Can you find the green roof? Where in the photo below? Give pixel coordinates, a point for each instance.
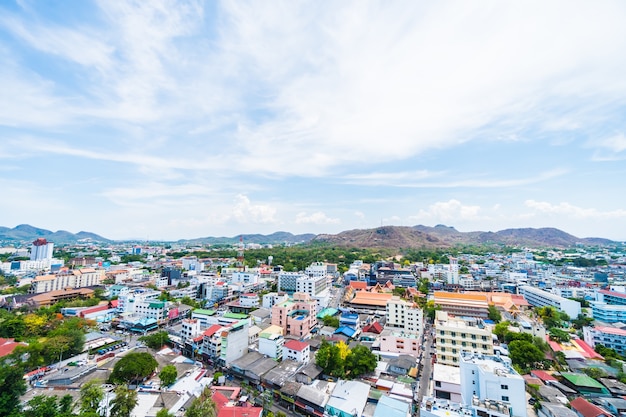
(582, 380)
(205, 312)
(327, 312)
(156, 304)
(238, 316)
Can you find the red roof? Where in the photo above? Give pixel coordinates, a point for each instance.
(296, 345)
(240, 412)
(375, 327)
(586, 409)
(358, 285)
(212, 330)
(543, 375)
(220, 399)
(7, 346)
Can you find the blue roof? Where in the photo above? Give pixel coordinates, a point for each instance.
(348, 331)
(390, 407)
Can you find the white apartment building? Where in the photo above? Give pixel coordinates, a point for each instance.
(271, 344)
(41, 249)
(190, 329)
(447, 382)
(297, 351)
(287, 281)
(404, 315)
(489, 377)
(540, 298)
(137, 301)
(311, 285)
(456, 334)
(245, 278)
(75, 278)
(273, 298)
(249, 300)
(234, 342)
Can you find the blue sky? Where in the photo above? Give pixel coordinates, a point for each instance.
(182, 119)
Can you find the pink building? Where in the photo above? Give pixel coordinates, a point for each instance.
(296, 317)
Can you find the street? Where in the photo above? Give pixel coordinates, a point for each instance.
(426, 367)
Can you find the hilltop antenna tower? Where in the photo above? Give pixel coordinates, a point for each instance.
(240, 257)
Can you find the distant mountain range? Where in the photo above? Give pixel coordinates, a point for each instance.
(25, 232)
(442, 236)
(398, 237)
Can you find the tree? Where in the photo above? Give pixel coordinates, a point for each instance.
(501, 329)
(156, 340)
(133, 367)
(164, 412)
(524, 354)
(329, 359)
(202, 406)
(595, 373)
(168, 375)
(360, 361)
(91, 394)
(12, 386)
(511, 336)
(42, 406)
(559, 335)
(124, 403)
(331, 321)
(581, 321)
(494, 314)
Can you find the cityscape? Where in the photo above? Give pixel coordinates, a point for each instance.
(521, 331)
(358, 208)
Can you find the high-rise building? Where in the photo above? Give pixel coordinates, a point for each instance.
(41, 249)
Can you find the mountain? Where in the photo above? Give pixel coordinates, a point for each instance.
(387, 237)
(274, 238)
(541, 237)
(441, 237)
(28, 233)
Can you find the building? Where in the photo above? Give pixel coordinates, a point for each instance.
(610, 337)
(273, 298)
(234, 342)
(447, 382)
(297, 351)
(41, 250)
(271, 345)
(75, 278)
(297, 317)
(463, 304)
(397, 342)
(190, 329)
(348, 399)
(492, 378)
(212, 342)
(287, 281)
(540, 298)
(404, 315)
(456, 334)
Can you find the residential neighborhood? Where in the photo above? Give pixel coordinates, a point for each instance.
(492, 335)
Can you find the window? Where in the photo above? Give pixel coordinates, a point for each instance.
(504, 387)
(505, 398)
(473, 382)
(438, 384)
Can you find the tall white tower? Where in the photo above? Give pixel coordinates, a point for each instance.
(453, 271)
(41, 249)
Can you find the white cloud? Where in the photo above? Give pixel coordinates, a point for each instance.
(569, 210)
(609, 148)
(315, 218)
(246, 212)
(444, 211)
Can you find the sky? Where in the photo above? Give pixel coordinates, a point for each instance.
(166, 120)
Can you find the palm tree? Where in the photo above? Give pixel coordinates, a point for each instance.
(124, 402)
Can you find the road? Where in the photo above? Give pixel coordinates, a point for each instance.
(426, 367)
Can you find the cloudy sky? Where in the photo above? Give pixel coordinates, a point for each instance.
(181, 119)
